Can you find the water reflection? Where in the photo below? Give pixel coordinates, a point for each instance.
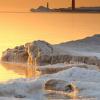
(16, 70)
(9, 72)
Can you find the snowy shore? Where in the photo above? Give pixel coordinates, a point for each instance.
(87, 81)
(69, 69)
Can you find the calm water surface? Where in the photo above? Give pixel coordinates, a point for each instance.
(8, 73)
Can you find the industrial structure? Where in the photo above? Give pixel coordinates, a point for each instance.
(73, 4)
(48, 5)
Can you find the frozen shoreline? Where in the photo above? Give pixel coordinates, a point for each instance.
(87, 81)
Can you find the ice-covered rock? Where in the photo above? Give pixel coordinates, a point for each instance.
(22, 53)
(48, 54)
(78, 74)
(22, 88)
(50, 69)
(39, 50)
(54, 84)
(18, 54)
(90, 44)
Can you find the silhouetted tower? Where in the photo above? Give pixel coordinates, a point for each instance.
(48, 5)
(73, 4)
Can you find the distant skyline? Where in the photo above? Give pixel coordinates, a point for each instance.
(25, 5)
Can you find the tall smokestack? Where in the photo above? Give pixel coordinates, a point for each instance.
(48, 5)
(73, 4)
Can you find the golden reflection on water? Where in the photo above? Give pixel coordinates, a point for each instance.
(6, 74)
(10, 71)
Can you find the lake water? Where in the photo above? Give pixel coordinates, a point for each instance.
(8, 73)
(19, 28)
